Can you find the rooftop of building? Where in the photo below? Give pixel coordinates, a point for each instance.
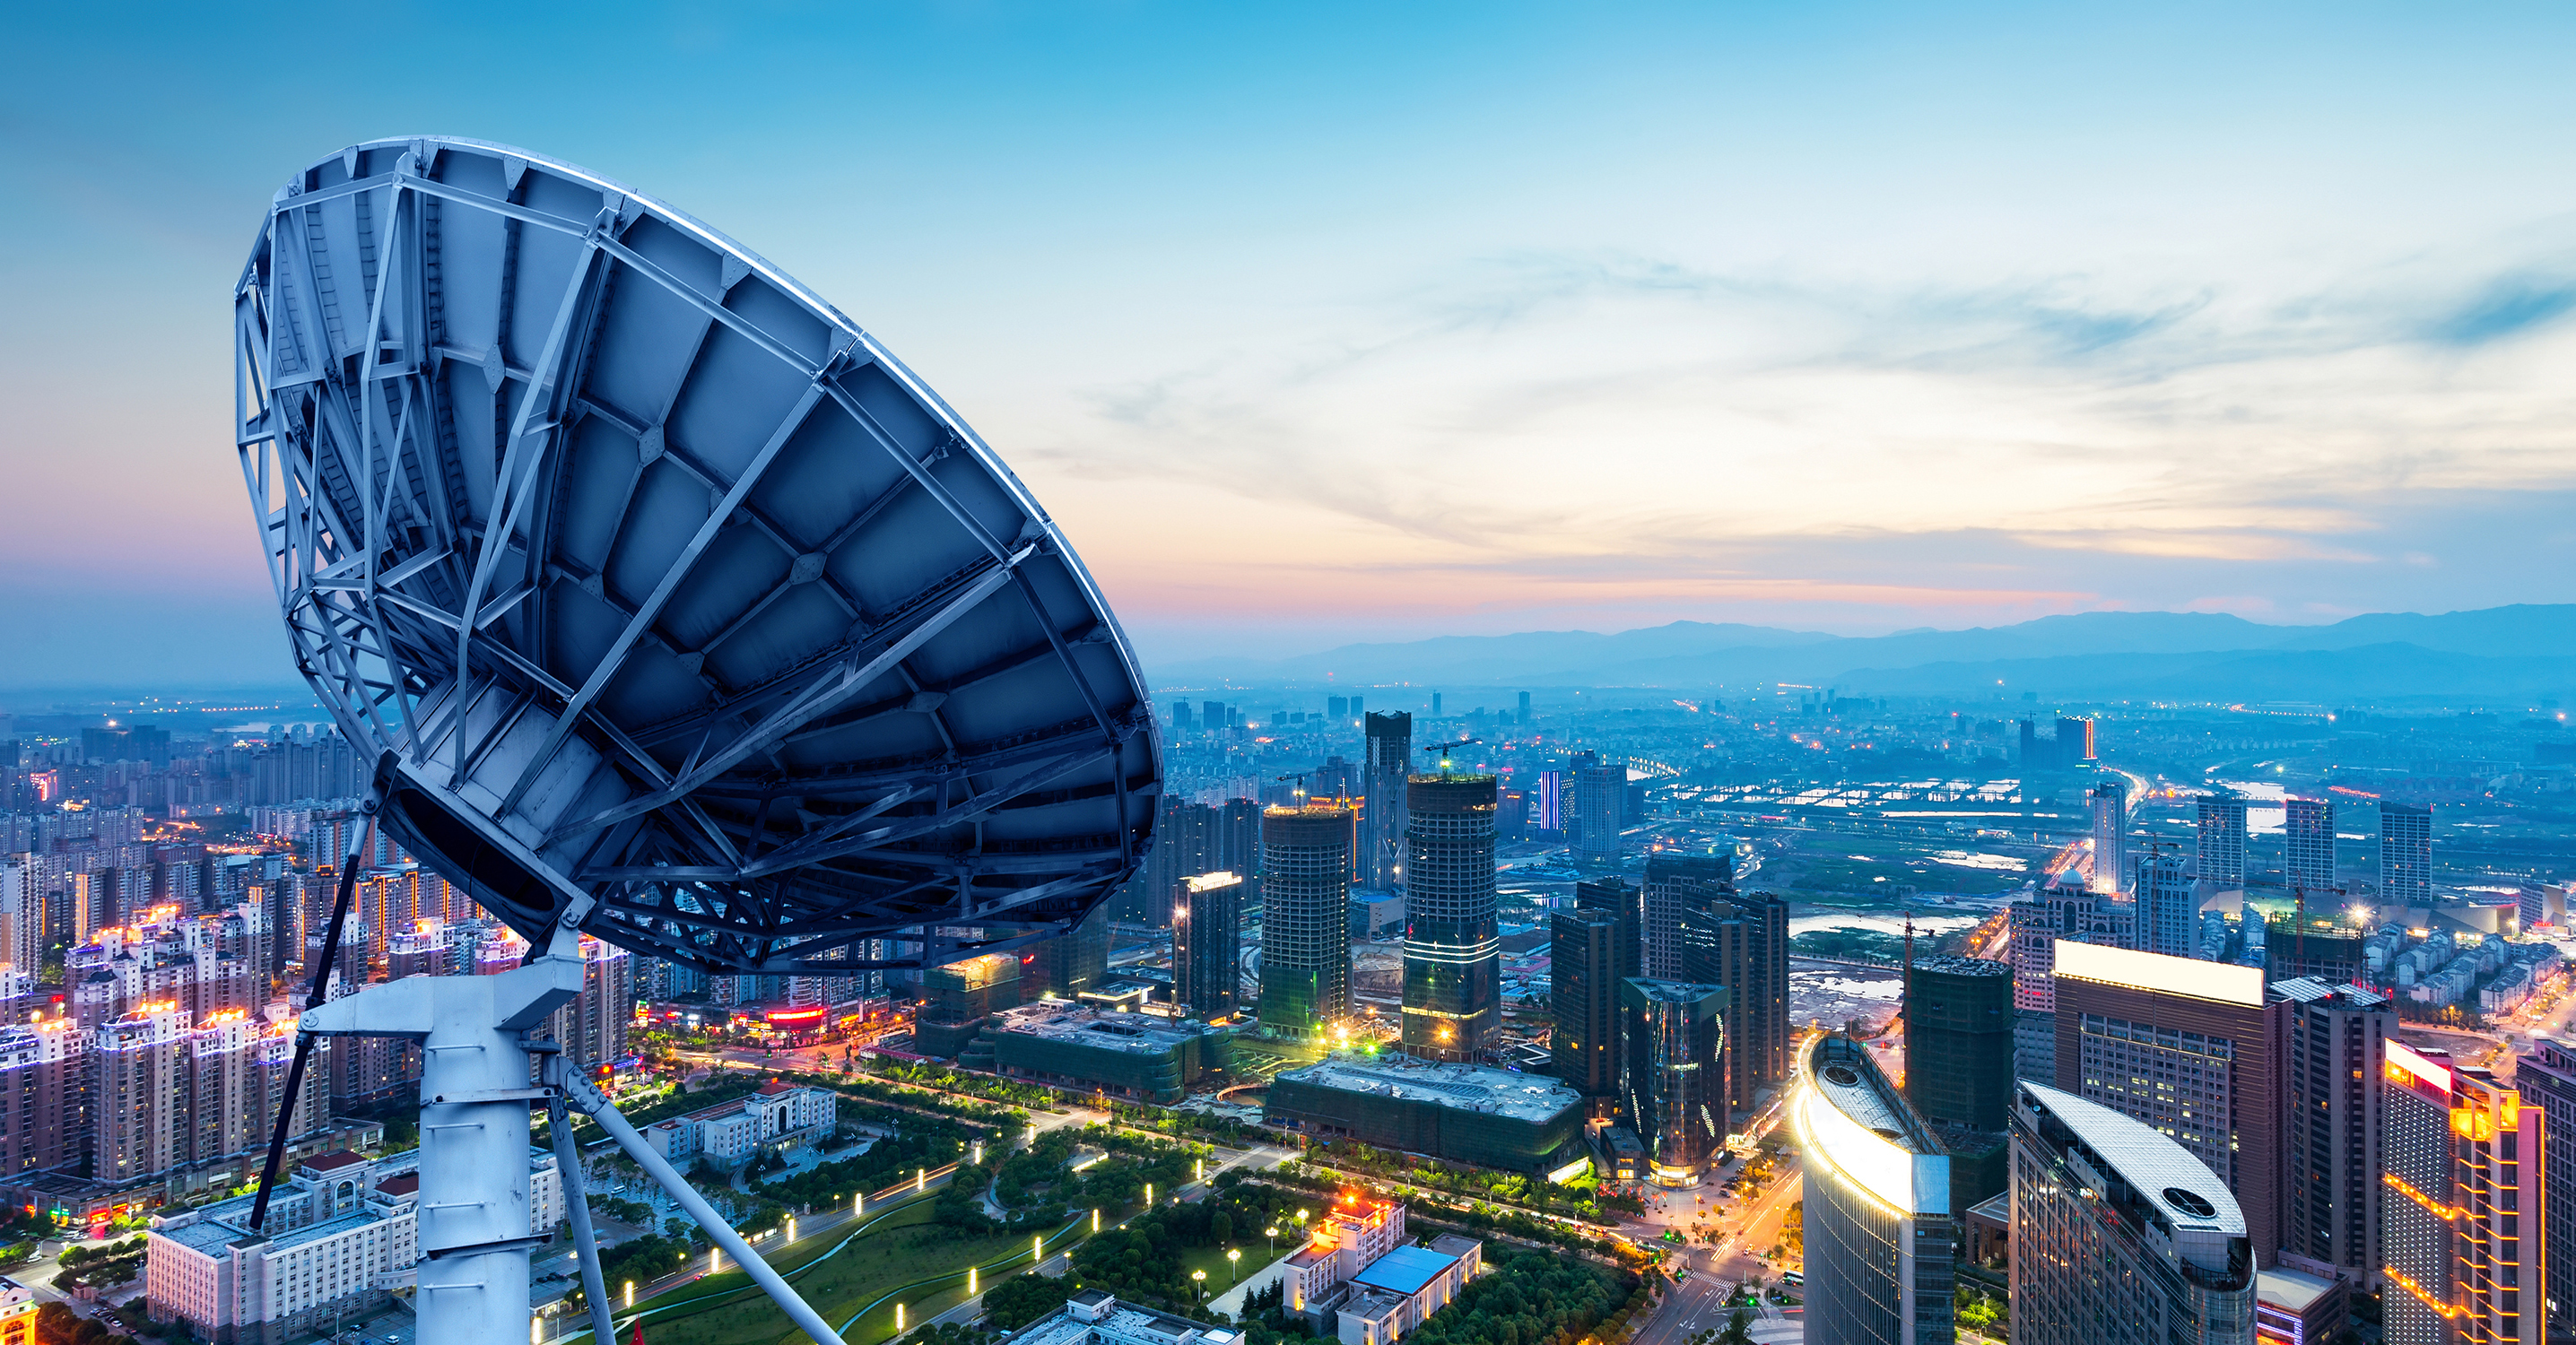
(1853, 1086)
(2160, 1170)
(1673, 992)
(2314, 990)
(1964, 966)
(1117, 1324)
(1406, 1269)
(332, 1161)
(2294, 1290)
(1524, 1097)
(1075, 1024)
(2160, 974)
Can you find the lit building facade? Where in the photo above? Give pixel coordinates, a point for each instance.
(1305, 918)
(1452, 952)
(2168, 908)
(1675, 1075)
(1881, 1265)
(1386, 772)
(1584, 961)
(2333, 1050)
(1207, 945)
(2546, 1078)
(2405, 855)
(2308, 845)
(2219, 835)
(2463, 1222)
(2119, 1236)
(1600, 796)
(2187, 1048)
(2110, 803)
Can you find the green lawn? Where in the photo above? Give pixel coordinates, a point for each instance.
(1212, 1260)
(904, 1259)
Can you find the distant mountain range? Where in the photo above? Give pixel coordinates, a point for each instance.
(2526, 650)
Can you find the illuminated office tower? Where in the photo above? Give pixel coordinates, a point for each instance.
(2405, 855)
(2463, 1224)
(1881, 1267)
(2110, 803)
(1207, 945)
(2187, 1048)
(1385, 769)
(2119, 1236)
(1305, 918)
(1585, 960)
(1600, 796)
(2334, 1046)
(2220, 852)
(1675, 1075)
(2168, 910)
(2546, 1078)
(2308, 845)
(1453, 956)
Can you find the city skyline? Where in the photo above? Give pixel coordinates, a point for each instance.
(1418, 325)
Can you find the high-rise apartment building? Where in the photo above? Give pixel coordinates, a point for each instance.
(1207, 945)
(2119, 1235)
(2308, 845)
(2220, 839)
(1675, 1075)
(594, 1028)
(1959, 1040)
(2405, 855)
(2546, 1079)
(2332, 1050)
(2109, 800)
(1674, 880)
(1739, 941)
(1305, 918)
(2168, 908)
(1881, 1260)
(42, 1067)
(1600, 800)
(1623, 902)
(2463, 1223)
(1452, 950)
(139, 1092)
(1387, 768)
(22, 914)
(2185, 1047)
(1585, 962)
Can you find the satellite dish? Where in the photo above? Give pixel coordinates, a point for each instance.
(650, 579)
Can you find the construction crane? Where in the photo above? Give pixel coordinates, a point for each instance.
(1300, 778)
(1444, 749)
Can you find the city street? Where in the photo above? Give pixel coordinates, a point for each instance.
(1743, 1229)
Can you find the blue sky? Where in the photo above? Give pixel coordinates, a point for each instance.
(1331, 323)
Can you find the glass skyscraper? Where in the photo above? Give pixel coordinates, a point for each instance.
(1676, 1075)
(1881, 1263)
(1453, 957)
(2119, 1236)
(1207, 944)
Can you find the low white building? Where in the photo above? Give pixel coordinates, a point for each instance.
(1400, 1290)
(780, 1113)
(341, 1237)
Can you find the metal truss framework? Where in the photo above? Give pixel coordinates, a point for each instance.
(650, 577)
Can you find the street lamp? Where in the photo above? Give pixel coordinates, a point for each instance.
(1201, 1277)
(1233, 1264)
(1272, 1233)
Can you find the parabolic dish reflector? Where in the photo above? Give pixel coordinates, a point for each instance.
(647, 576)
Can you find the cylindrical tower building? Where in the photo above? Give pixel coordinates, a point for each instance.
(1306, 917)
(1452, 954)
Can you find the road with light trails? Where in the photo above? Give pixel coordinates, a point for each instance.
(1698, 1303)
